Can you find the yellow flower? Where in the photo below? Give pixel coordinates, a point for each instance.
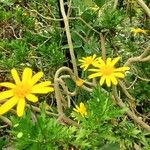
(79, 82)
(81, 109)
(95, 8)
(23, 89)
(47, 107)
(87, 61)
(135, 31)
(108, 72)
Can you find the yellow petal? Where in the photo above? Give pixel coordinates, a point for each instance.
(108, 61)
(20, 107)
(75, 109)
(81, 60)
(8, 105)
(122, 69)
(102, 80)
(94, 56)
(84, 67)
(15, 76)
(114, 80)
(27, 74)
(79, 82)
(101, 61)
(32, 98)
(6, 94)
(119, 75)
(94, 75)
(108, 82)
(8, 84)
(43, 90)
(42, 84)
(94, 70)
(82, 105)
(115, 60)
(36, 77)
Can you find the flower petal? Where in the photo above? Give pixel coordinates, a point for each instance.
(115, 60)
(36, 77)
(95, 75)
(94, 70)
(15, 76)
(84, 67)
(81, 60)
(118, 74)
(20, 107)
(108, 61)
(101, 61)
(108, 81)
(7, 84)
(27, 74)
(43, 90)
(114, 80)
(32, 98)
(94, 56)
(102, 80)
(6, 94)
(42, 84)
(122, 69)
(82, 105)
(97, 64)
(75, 109)
(8, 105)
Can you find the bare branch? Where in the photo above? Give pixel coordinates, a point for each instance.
(70, 44)
(135, 118)
(144, 6)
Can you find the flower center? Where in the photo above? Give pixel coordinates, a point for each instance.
(107, 70)
(82, 111)
(22, 90)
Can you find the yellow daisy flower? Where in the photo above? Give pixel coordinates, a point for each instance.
(108, 72)
(23, 89)
(79, 82)
(81, 109)
(87, 61)
(135, 31)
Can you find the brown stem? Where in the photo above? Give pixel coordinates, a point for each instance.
(70, 44)
(102, 41)
(65, 120)
(115, 4)
(128, 111)
(144, 6)
(124, 89)
(145, 56)
(58, 94)
(6, 120)
(36, 109)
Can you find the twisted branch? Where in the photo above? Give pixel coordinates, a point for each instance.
(128, 111)
(145, 56)
(144, 6)
(68, 34)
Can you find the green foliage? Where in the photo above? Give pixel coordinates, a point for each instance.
(52, 55)
(31, 35)
(100, 3)
(30, 41)
(105, 126)
(2, 142)
(15, 52)
(110, 19)
(45, 133)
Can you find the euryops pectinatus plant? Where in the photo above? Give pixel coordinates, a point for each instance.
(74, 75)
